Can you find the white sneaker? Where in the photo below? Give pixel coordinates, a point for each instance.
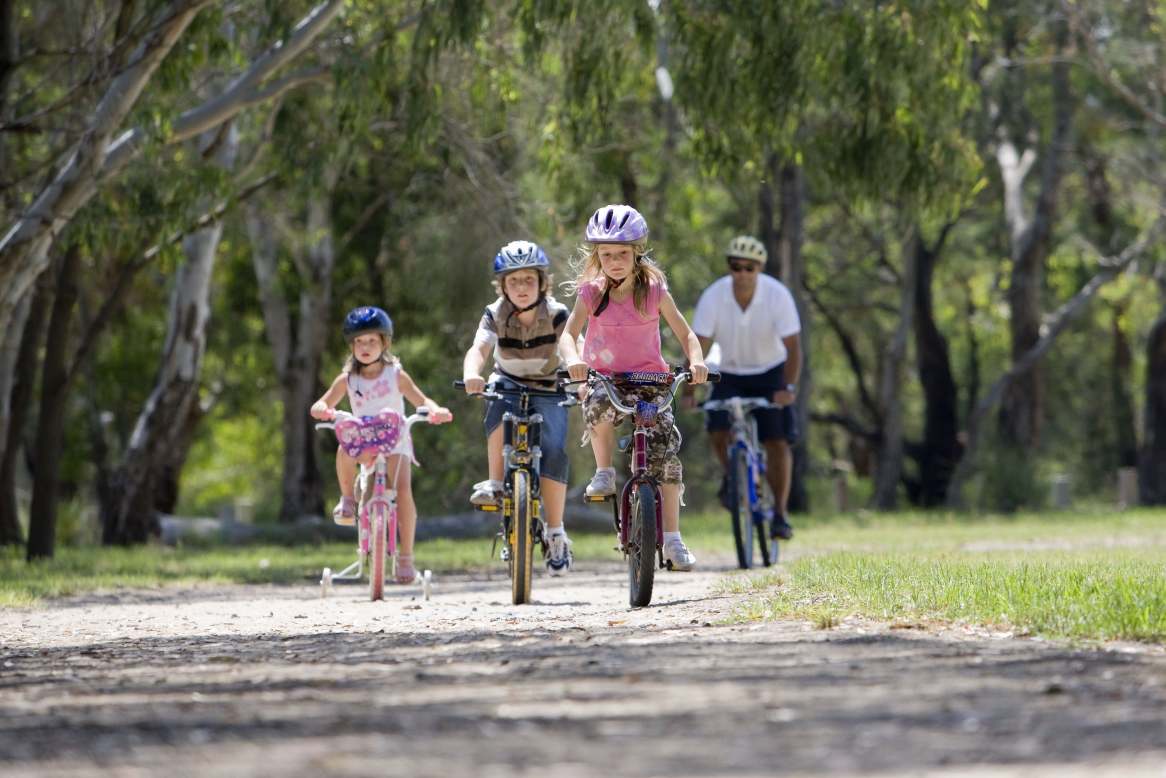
(559, 557)
(677, 556)
(602, 483)
(486, 493)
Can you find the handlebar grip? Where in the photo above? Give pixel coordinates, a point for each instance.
(714, 377)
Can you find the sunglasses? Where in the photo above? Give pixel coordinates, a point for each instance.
(743, 267)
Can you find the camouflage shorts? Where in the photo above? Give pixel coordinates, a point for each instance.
(663, 438)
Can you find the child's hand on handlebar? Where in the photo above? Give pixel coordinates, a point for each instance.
(321, 411)
(577, 371)
(699, 372)
(439, 414)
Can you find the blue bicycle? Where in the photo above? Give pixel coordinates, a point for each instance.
(750, 498)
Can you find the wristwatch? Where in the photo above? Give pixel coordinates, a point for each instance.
(791, 388)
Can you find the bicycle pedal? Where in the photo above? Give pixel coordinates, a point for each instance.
(505, 555)
(487, 508)
(598, 497)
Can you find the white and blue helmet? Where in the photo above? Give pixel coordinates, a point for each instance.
(520, 255)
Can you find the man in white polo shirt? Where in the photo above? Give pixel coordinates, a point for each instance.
(753, 318)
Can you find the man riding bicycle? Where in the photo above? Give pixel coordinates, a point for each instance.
(753, 320)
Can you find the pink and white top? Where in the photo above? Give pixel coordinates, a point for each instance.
(620, 340)
(370, 396)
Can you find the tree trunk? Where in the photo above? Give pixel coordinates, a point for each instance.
(1021, 409)
(1152, 467)
(296, 353)
(1122, 415)
(22, 375)
(940, 450)
(792, 239)
(889, 469)
(42, 522)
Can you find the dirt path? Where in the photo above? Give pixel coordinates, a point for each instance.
(261, 681)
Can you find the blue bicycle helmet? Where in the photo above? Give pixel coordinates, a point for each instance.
(520, 255)
(367, 318)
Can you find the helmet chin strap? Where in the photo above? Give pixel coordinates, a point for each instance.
(518, 310)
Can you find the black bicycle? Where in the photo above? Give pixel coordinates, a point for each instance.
(521, 507)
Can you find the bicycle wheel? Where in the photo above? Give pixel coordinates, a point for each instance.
(740, 512)
(521, 558)
(377, 552)
(641, 545)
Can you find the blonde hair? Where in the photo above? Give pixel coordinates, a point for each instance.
(351, 365)
(646, 272)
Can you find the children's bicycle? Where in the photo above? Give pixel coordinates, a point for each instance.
(750, 498)
(637, 513)
(377, 511)
(522, 527)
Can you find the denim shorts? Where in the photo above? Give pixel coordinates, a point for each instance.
(772, 423)
(553, 464)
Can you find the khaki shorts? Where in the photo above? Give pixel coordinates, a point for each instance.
(663, 438)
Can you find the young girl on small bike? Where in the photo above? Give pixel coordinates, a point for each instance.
(522, 329)
(374, 381)
(621, 296)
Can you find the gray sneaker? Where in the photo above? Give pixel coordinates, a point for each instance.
(602, 483)
(678, 557)
(486, 493)
(559, 557)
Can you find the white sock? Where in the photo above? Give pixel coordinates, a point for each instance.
(671, 536)
(605, 470)
(559, 530)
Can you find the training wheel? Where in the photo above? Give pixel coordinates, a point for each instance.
(326, 582)
(426, 584)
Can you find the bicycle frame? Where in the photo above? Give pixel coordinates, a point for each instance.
(643, 417)
(383, 497)
(745, 440)
(521, 454)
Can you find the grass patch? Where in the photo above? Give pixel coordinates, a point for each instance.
(1088, 577)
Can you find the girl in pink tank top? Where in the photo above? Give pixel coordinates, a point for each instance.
(621, 297)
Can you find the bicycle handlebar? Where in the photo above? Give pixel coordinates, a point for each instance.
(746, 404)
(681, 374)
(418, 414)
(495, 392)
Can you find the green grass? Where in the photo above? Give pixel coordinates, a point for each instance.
(89, 569)
(1099, 576)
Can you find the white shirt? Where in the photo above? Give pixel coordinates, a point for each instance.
(750, 340)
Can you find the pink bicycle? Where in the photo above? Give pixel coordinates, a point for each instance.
(377, 512)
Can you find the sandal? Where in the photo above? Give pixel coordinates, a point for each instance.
(405, 573)
(344, 513)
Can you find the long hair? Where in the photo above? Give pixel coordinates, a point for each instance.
(645, 272)
(351, 365)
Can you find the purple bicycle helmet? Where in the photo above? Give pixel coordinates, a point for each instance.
(367, 318)
(520, 255)
(616, 223)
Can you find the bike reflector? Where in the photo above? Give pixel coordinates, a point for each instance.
(646, 412)
(379, 434)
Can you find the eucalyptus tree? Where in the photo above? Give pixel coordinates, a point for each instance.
(133, 43)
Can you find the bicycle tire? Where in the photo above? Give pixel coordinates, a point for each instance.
(641, 545)
(377, 552)
(521, 558)
(768, 553)
(740, 512)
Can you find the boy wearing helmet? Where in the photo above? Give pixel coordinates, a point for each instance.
(522, 328)
(374, 381)
(753, 319)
